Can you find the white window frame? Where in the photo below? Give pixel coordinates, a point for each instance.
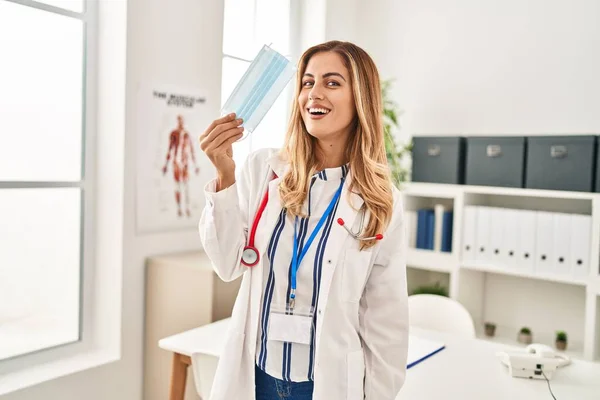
(246, 146)
(102, 207)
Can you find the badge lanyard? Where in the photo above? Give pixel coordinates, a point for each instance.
(297, 259)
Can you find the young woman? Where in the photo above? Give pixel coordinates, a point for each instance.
(316, 230)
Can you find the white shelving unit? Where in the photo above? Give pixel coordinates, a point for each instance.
(508, 296)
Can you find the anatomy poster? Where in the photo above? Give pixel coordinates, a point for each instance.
(171, 168)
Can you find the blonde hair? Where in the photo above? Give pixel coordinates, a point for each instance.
(365, 150)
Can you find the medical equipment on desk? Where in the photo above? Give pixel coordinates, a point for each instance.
(538, 361)
(259, 87)
(250, 256)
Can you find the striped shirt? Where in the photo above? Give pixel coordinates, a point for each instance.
(293, 361)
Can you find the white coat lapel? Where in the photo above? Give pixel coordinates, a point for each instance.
(348, 207)
(264, 229)
(273, 209)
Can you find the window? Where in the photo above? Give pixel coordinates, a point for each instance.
(46, 185)
(248, 25)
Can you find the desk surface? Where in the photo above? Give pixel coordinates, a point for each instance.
(469, 369)
(466, 369)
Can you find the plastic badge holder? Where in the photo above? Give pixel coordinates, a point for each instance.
(259, 88)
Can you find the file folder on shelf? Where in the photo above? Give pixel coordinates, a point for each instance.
(422, 228)
(439, 225)
(510, 244)
(544, 228)
(580, 242)
(411, 230)
(526, 243)
(448, 222)
(469, 233)
(561, 262)
(482, 234)
(497, 229)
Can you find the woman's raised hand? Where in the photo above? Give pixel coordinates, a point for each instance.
(216, 142)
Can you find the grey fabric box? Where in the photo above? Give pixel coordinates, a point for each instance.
(496, 161)
(438, 159)
(597, 186)
(561, 163)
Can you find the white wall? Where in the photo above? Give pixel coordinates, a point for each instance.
(485, 67)
(176, 43)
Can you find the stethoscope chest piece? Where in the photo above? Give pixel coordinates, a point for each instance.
(250, 256)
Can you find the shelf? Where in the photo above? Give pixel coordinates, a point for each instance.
(544, 300)
(475, 266)
(594, 286)
(431, 260)
(572, 351)
(450, 191)
(431, 190)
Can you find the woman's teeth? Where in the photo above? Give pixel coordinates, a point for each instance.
(318, 111)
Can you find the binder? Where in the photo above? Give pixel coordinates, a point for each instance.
(430, 229)
(438, 226)
(526, 239)
(469, 228)
(448, 222)
(497, 230)
(482, 234)
(544, 241)
(561, 262)
(421, 228)
(512, 224)
(580, 242)
(411, 228)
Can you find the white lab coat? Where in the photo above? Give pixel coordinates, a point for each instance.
(362, 329)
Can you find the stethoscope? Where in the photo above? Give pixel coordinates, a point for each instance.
(250, 256)
(340, 221)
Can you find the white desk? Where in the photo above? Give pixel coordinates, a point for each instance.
(467, 369)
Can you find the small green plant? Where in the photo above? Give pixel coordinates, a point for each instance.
(525, 336)
(561, 340)
(436, 289)
(396, 154)
(561, 336)
(525, 331)
(490, 329)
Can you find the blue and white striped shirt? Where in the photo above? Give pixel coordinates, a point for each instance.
(293, 361)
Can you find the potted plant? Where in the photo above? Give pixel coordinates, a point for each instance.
(490, 329)
(561, 340)
(525, 335)
(436, 289)
(395, 154)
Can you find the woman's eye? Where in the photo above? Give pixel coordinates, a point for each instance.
(333, 83)
(307, 83)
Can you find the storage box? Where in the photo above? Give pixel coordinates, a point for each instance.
(561, 163)
(496, 161)
(438, 159)
(597, 185)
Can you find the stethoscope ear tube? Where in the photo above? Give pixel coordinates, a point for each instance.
(379, 236)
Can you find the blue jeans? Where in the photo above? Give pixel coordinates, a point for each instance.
(269, 388)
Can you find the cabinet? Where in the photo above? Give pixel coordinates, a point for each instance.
(498, 288)
(182, 292)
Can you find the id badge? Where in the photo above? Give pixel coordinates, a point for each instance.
(293, 328)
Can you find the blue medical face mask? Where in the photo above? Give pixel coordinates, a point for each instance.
(258, 89)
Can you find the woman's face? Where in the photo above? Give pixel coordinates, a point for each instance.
(326, 98)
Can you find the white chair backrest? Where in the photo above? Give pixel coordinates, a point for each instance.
(440, 313)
